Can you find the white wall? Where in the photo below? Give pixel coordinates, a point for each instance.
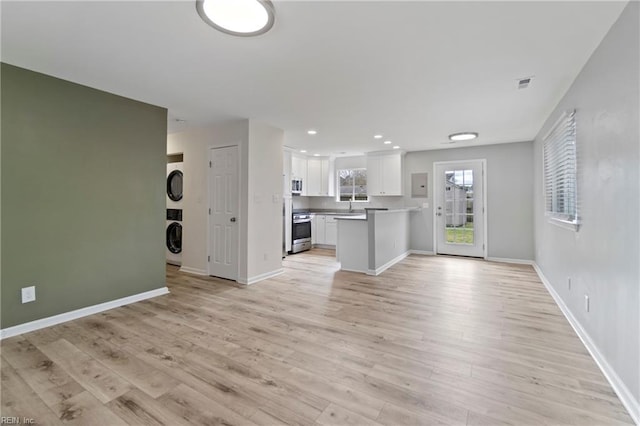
(260, 195)
(195, 145)
(388, 236)
(264, 232)
(509, 196)
(602, 258)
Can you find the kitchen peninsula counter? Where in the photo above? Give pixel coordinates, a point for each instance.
(373, 242)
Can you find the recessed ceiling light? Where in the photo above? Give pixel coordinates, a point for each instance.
(463, 136)
(303, 150)
(316, 155)
(387, 142)
(312, 132)
(377, 136)
(396, 147)
(237, 17)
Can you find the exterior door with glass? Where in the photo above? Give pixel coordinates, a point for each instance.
(459, 208)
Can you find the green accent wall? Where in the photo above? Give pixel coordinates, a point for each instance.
(83, 195)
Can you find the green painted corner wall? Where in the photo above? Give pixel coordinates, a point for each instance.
(83, 197)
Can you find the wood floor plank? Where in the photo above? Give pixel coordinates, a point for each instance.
(20, 401)
(197, 409)
(138, 408)
(150, 380)
(85, 409)
(47, 379)
(434, 340)
(91, 374)
(392, 415)
(336, 415)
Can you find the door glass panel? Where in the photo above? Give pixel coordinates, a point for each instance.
(458, 203)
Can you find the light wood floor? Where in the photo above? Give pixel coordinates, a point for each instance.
(433, 340)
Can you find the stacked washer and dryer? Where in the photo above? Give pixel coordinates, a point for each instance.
(174, 213)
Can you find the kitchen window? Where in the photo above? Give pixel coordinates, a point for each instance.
(560, 172)
(352, 185)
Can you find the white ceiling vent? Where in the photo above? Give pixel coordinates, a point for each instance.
(523, 83)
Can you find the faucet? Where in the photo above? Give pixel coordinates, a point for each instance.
(350, 208)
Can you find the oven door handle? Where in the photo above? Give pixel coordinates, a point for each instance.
(302, 221)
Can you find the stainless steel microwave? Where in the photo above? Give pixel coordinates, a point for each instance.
(296, 186)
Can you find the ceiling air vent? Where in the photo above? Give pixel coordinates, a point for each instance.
(523, 83)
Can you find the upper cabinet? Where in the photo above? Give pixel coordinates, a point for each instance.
(320, 181)
(316, 174)
(286, 172)
(298, 167)
(384, 174)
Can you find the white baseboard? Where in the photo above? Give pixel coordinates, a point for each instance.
(623, 392)
(508, 260)
(388, 265)
(422, 252)
(79, 313)
(353, 270)
(261, 277)
(194, 271)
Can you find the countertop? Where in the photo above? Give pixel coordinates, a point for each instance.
(352, 217)
(331, 212)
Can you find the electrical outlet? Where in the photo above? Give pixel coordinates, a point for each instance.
(569, 283)
(28, 294)
(586, 302)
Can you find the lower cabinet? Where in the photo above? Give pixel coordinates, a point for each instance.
(331, 231)
(324, 230)
(314, 229)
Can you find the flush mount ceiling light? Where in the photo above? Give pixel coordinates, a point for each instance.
(243, 18)
(377, 136)
(387, 142)
(303, 150)
(463, 136)
(312, 132)
(396, 147)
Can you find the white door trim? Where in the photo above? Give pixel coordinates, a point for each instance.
(484, 201)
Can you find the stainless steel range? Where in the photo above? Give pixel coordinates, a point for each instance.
(301, 232)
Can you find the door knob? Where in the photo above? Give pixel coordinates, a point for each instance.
(233, 219)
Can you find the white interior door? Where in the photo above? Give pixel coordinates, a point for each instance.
(223, 213)
(459, 208)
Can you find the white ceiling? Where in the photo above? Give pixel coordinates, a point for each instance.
(413, 71)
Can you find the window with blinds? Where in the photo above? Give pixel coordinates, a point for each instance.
(560, 171)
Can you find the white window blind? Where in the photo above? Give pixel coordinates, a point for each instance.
(560, 171)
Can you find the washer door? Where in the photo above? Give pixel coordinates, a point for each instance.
(174, 185)
(174, 237)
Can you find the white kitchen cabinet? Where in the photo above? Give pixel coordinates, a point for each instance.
(325, 231)
(320, 177)
(299, 170)
(314, 229)
(384, 174)
(320, 229)
(330, 231)
(286, 172)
